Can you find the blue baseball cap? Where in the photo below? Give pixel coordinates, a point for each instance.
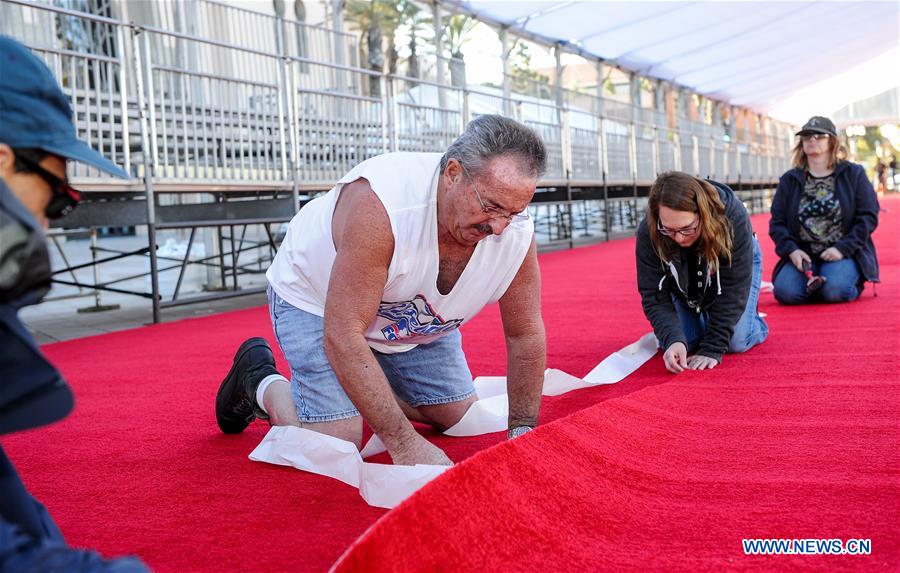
(35, 113)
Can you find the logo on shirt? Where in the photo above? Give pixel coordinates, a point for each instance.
(413, 318)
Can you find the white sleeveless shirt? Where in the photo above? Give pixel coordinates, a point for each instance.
(412, 311)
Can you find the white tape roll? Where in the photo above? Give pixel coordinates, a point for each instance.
(385, 485)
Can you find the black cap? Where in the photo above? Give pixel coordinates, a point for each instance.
(818, 124)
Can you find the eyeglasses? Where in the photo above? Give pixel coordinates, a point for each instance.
(65, 197)
(688, 231)
(493, 211)
(814, 136)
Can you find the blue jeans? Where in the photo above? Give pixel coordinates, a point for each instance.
(842, 283)
(429, 374)
(750, 329)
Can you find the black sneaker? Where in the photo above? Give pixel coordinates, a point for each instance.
(236, 403)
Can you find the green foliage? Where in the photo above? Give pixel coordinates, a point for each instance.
(456, 33)
(379, 21)
(609, 86)
(367, 14)
(523, 79)
(870, 146)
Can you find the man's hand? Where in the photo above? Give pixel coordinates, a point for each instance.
(797, 257)
(526, 342)
(699, 362)
(831, 255)
(675, 358)
(419, 451)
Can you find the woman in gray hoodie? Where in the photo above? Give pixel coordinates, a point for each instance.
(699, 270)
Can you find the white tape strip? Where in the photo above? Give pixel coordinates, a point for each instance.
(381, 485)
(491, 411)
(384, 485)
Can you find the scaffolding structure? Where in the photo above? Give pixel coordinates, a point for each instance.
(226, 135)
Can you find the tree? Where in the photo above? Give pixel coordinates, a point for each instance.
(457, 31)
(523, 78)
(375, 19)
(417, 24)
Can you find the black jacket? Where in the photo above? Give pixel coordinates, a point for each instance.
(859, 210)
(724, 297)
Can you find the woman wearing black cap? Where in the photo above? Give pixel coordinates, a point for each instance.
(823, 215)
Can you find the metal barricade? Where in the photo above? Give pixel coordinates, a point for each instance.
(719, 161)
(217, 117)
(668, 149)
(617, 143)
(224, 115)
(551, 133)
(428, 116)
(745, 171)
(704, 156)
(688, 147)
(584, 137)
(341, 118)
(645, 152)
(584, 133)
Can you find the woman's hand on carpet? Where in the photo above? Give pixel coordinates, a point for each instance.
(420, 451)
(675, 358)
(699, 362)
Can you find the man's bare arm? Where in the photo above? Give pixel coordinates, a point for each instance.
(526, 342)
(364, 243)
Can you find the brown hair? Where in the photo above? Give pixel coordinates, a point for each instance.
(836, 152)
(683, 192)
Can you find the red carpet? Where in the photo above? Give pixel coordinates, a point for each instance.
(795, 439)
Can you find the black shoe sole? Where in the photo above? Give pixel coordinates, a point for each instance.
(247, 345)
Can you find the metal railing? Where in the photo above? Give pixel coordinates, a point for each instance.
(220, 127)
(232, 108)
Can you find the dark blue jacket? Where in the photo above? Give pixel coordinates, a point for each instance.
(32, 392)
(859, 210)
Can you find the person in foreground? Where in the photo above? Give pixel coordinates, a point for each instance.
(699, 270)
(36, 139)
(823, 215)
(372, 282)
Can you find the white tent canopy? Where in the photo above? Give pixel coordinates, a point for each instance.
(751, 54)
(875, 110)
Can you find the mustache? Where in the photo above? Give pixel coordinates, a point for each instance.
(484, 228)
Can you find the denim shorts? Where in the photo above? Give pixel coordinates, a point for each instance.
(436, 373)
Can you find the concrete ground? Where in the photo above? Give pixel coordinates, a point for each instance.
(58, 317)
(60, 320)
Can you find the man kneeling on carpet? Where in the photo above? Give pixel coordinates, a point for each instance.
(699, 270)
(372, 282)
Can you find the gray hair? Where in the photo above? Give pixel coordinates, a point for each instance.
(489, 136)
